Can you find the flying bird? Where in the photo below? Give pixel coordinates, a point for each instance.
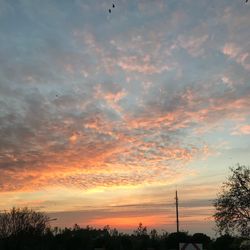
(113, 6)
(246, 1)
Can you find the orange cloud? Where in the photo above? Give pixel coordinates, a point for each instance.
(97, 151)
(141, 65)
(242, 130)
(245, 129)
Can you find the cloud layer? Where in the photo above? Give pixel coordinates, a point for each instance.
(85, 108)
(92, 100)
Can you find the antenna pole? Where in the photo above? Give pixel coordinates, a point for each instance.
(177, 212)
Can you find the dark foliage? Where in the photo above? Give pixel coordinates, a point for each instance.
(89, 238)
(22, 227)
(233, 203)
(22, 222)
(25, 229)
(202, 239)
(173, 240)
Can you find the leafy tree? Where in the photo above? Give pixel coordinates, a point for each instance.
(201, 238)
(173, 239)
(245, 245)
(226, 242)
(233, 203)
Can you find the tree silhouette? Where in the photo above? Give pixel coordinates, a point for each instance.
(173, 239)
(202, 239)
(23, 228)
(141, 230)
(233, 203)
(23, 221)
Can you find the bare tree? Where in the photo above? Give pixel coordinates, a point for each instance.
(21, 221)
(233, 203)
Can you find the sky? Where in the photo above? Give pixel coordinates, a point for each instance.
(104, 115)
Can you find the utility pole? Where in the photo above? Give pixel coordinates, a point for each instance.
(177, 212)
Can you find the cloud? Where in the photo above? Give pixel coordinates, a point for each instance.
(82, 143)
(141, 65)
(129, 216)
(194, 45)
(85, 105)
(242, 130)
(236, 53)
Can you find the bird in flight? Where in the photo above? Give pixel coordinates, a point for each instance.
(113, 6)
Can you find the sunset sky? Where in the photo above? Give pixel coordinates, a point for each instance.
(104, 115)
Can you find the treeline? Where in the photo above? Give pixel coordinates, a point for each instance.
(26, 229)
(89, 238)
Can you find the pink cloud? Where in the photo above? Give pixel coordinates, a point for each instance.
(242, 130)
(238, 54)
(112, 98)
(193, 44)
(141, 65)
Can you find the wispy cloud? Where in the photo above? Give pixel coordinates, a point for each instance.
(237, 53)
